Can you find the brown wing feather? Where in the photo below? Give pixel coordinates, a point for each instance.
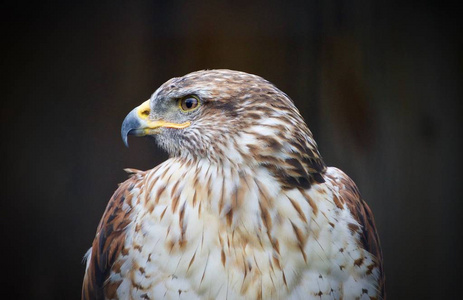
(108, 242)
(361, 212)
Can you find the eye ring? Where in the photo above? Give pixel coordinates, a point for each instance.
(188, 103)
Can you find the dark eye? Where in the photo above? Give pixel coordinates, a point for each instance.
(189, 103)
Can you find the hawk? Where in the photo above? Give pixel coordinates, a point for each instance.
(244, 208)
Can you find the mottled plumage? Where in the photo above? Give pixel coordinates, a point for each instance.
(244, 208)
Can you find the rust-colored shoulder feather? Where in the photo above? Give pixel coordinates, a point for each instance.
(108, 242)
(361, 212)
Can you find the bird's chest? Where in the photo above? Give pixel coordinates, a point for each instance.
(220, 241)
(208, 259)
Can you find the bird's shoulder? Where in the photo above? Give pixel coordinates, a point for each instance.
(110, 238)
(348, 196)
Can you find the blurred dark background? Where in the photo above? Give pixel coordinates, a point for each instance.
(379, 84)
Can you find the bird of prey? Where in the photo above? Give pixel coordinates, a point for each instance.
(244, 208)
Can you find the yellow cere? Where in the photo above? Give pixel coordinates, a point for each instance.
(143, 110)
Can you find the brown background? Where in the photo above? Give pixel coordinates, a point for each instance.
(378, 83)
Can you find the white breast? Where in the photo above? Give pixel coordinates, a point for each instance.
(203, 232)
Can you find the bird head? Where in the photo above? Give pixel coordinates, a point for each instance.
(224, 115)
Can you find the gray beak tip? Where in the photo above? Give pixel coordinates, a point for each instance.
(125, 140)
(129, 127)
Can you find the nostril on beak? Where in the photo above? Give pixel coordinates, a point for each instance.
(145, 112)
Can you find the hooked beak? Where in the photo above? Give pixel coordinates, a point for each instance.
(137, 123)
